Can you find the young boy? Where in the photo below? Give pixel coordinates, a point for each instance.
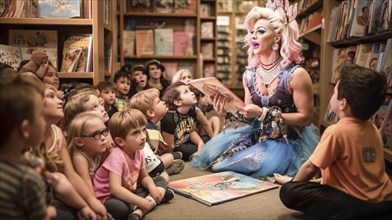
(149, 103)
(108, 94)
(354, 183)
(23, 194)
(178, 125)
(122, 84)
(138, 79)
(122, 182)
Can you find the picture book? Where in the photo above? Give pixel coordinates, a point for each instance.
(10, 55)
(363, 51)
(185, 7)
(51, 52)
(129, 43)
(183, 45)
(207, 49)
(59, 8)
(375, 18)
(217, 188)
(205, 10)
(207, 29)
(163, 41)
(379, 116)
(360, 22)
(163, 6)
(385, 22)
(83, 42)
(139, 5)
(339, 56)
(211, 86)
(144, 42)
(70, 60)
(386, 127)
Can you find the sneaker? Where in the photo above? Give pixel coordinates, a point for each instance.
(169, 195)
(177, 155)
(176, 167)
(134, 216)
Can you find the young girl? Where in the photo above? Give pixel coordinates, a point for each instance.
(154, 70)
(182, 75)
(138, 80)
(122, 182)
(57, 160)
(87, 143)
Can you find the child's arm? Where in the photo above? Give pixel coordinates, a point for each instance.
(66, 192)
(118, 191)
(82, 168)
(307, 171)
(169, 139)
(196, 139)
(205, 123)
(80, 186)
(149, 184)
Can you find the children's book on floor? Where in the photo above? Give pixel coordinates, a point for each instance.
(211, 86)
(216, 188)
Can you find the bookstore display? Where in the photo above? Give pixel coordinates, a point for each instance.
(180, 34)
(76, 35)
(357, 32)
(217, 188)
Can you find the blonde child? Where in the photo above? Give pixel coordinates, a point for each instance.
(108, 94)
(149, 103)
(122, 84)
(88, 144)
(122, 182)
(182, 75)
(178, 125)
(57, 160)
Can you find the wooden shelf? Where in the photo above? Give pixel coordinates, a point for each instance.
(312, 35)
(309, 10)
(47, 21)
(367, 39)
(154, 14)
(162, 57)
(88, 75)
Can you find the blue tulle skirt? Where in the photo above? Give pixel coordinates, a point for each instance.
(239, 150)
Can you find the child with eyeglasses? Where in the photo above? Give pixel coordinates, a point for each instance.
(88, 144)
(122, 182)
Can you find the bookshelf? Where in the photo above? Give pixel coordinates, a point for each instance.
(102, 33)
(202, 14)
(327, 50)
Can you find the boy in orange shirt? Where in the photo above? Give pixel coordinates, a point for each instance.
(354, 183)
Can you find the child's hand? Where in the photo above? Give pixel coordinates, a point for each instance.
(156, 194)
(282, 179)
(86, 213)
(51, 212)
(98, 207)
(146, 205)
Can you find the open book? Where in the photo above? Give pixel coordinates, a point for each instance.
(220, 187)
(211, 86)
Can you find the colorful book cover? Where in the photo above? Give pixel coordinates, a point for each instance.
(339, 56)
(185, 6)
(385, 22)
(183, 45)
(207, 29)
(10, 55)
(220, 187)
(129, 43)
(205, 10)
(363, 52)
(361, 18)
(386, 127)
(139, 5)
(70, 60)
(207, 49)
(163, 6)
(35, 40)
(144, 42)
(59, 8)
(83, 42)
(379, 116)
(211, 86)
(163, 41)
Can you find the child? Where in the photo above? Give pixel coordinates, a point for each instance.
(182, 75)
(108, 94)
(154, 71)
(122, 182)
(178, 125)
(354, 183)
(23, 194)
(138, 80)
(122, 84)
(149, 103)
(210, 128)
(87, 143)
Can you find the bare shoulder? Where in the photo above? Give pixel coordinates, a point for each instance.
(300, 77)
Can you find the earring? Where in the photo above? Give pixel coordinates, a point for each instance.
(275, 46)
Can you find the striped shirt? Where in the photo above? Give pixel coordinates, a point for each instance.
(22, 192)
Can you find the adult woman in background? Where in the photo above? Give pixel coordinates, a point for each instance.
(278, 98)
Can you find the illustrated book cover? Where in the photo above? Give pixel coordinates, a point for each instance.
(211, 86)
(217, 188)
(183, 45)
(163, 41)
(70, 60)
(185, 6)
(129, 42)
(10, 55)
(84, 42)
(144, 42)
(59, 8)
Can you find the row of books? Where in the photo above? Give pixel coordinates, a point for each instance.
(169, 6)
(76, 53)
(375, 56)
(359, 18)
(304, 4)
(310, 22)
(45, 8)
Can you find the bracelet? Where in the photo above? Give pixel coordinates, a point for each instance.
(263, 114)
